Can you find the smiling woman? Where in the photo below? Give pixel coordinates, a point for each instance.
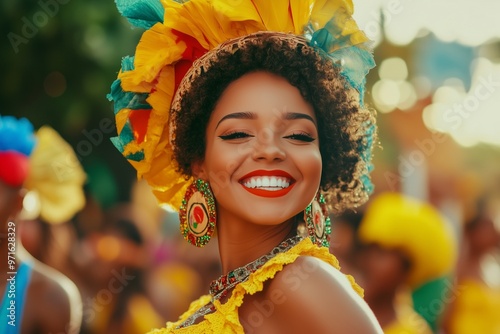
(255, 114)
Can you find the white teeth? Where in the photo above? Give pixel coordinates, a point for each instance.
(268, 182)
(273, 182)
(265, 182)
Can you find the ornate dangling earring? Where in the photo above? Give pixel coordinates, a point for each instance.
(317, 221)
(197, 214)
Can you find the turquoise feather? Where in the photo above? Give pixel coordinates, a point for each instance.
(141, 13)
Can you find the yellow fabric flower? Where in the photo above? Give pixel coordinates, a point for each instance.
(56, 176)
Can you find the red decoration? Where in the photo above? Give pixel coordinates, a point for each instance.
(198, 214)
(139, 120)
(14, 168)
(193, 51)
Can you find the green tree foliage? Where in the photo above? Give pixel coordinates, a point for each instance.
(57, 61)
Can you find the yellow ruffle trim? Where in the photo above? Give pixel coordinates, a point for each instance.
(225, 319)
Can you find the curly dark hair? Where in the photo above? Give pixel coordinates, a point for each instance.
(342, 122)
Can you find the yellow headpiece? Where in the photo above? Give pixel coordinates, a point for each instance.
(417, 229)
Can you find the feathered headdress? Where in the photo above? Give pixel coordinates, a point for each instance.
(178, 32)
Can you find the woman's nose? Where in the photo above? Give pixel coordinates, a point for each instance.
(268, 146)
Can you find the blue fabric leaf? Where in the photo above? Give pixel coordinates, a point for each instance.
(325, 40)
(124, 99)
(117, 143)
(137, 156)
(355, 63)
(128, 63)
(16, 135)
(141, 13)
(124, 138)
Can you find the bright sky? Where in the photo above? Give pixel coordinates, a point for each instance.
(471, 22)
(470, 117)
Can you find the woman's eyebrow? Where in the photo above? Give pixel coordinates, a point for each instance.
(251, 115)
(238, 115)
(297, 115)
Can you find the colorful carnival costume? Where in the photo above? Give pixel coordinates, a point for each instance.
(183, 40)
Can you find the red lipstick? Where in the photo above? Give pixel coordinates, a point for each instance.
(267, 173)
(268, 193)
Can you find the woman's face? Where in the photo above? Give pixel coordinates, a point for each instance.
(262, 155)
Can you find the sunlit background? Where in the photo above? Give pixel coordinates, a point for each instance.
(436, 89)
(454, 60)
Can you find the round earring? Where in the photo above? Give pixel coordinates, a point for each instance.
(317, 221)
(197, 214)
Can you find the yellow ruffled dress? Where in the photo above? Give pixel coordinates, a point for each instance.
(225, 319)
(477, 309)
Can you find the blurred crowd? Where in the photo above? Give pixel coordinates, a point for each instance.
(133, 269)
(126, 268)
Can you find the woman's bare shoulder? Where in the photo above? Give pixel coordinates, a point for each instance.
(312, 296)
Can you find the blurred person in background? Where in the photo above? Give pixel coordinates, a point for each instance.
(476, 306)
(49, 243)
(55, 197)
(406, 243)
(35, 297)
(344, 242)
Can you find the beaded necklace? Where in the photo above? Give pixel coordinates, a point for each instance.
(220, 287)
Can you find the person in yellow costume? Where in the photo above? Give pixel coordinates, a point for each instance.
(248, 118)
(407, 243)
(475, 304)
